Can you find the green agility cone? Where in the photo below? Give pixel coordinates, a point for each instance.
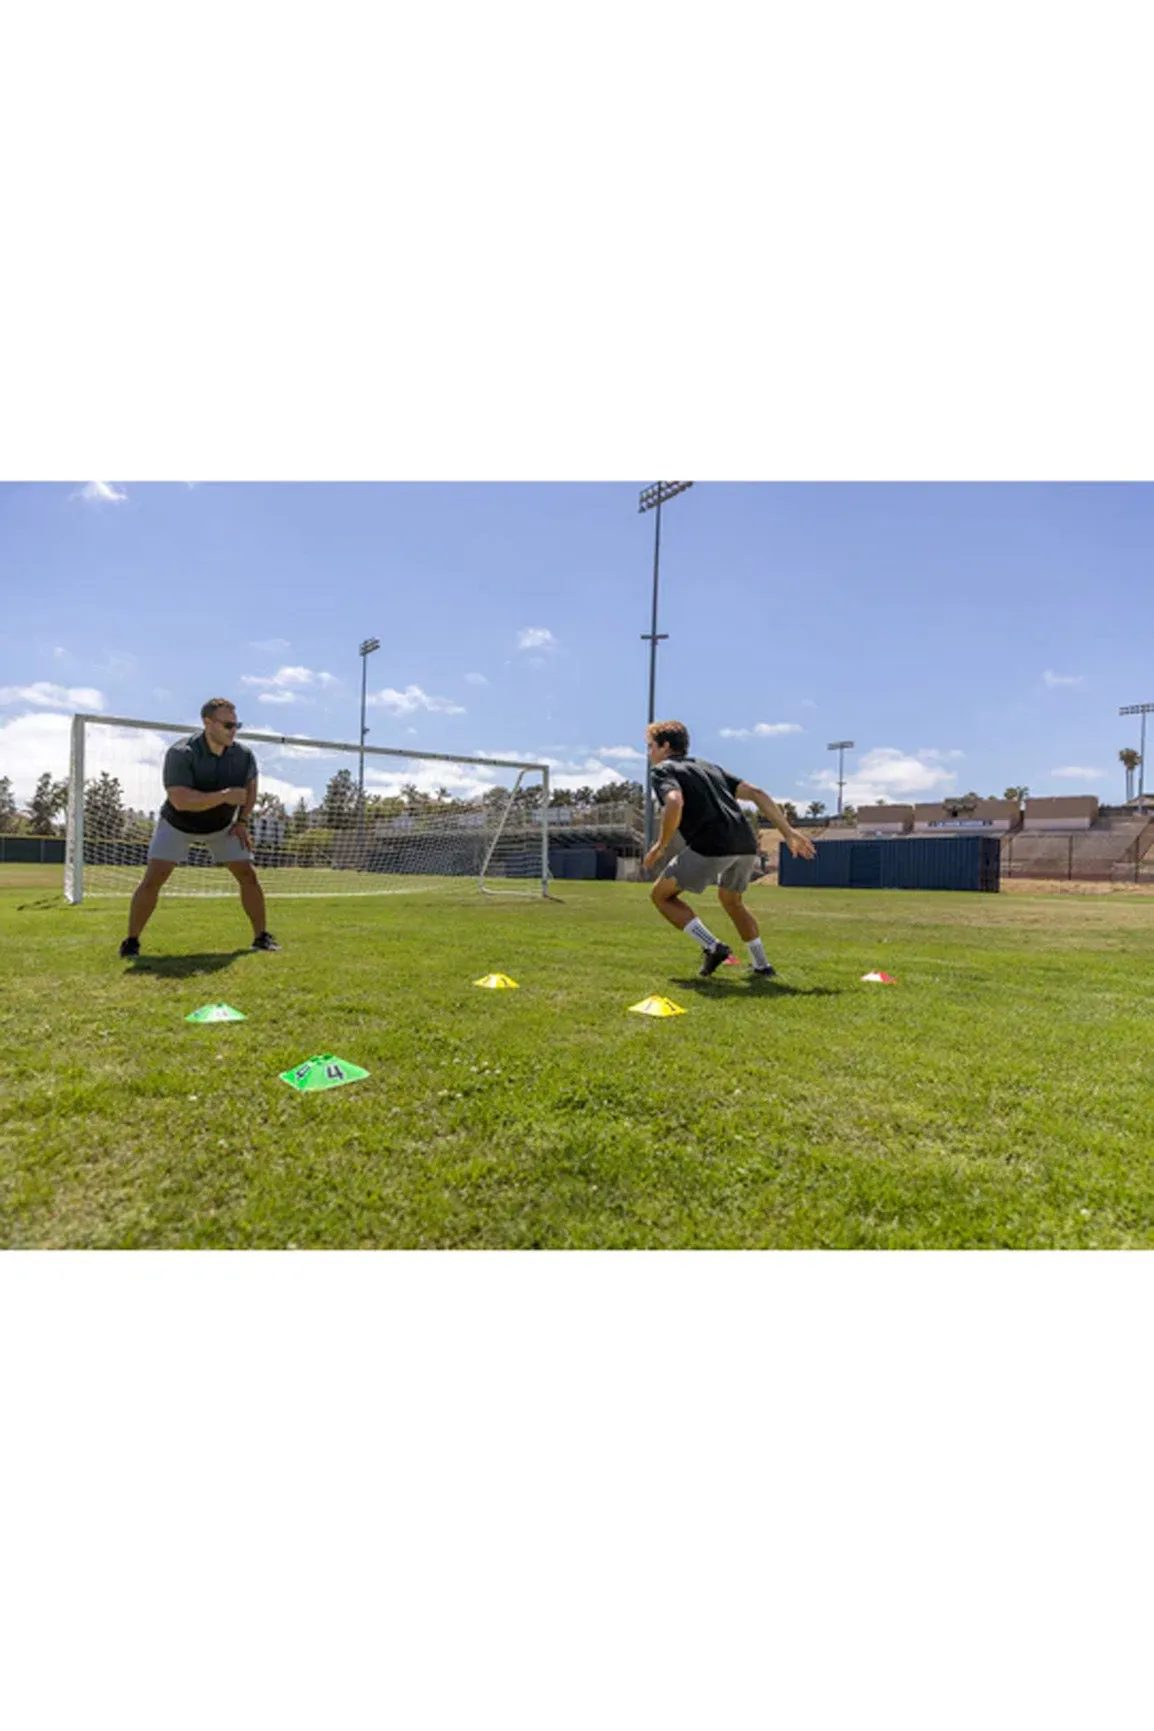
(326, 1071)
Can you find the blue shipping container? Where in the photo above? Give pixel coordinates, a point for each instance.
(956, 862)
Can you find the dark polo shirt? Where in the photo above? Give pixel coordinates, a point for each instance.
(189, 763)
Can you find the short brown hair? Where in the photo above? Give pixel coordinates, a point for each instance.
(672, 733)
(214, 703)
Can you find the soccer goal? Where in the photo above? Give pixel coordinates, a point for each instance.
(328, 820)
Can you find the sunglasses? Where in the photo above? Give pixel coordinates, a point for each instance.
(230, 725)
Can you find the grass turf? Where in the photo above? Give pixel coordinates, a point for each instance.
(998, 1096)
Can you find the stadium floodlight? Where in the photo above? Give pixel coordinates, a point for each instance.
(652, 499)
(494, 837)
(1142, 709)
(841, 746)
(366, 649)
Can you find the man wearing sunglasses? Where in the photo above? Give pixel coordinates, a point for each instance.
(210, 788)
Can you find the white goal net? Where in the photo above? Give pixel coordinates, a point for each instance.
(423, 821)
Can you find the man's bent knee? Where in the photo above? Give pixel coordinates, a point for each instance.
(157, 872)
(242, 870)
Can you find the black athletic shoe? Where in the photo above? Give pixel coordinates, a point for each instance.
(266, 941)
(129, 948)
(713, 959)
(766, 973)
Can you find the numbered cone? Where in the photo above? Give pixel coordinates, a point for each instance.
(215, 1013)
(316, 1074)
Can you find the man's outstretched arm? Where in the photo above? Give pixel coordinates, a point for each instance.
(769, 809)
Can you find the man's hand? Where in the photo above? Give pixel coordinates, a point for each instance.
(653, 856)
(800, 844)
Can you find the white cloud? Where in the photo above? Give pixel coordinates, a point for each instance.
(295, 678)
(1054, 679)
(475, 679)
(762, 730)
(288, 792)
(885, 773)
(536, 637)
(935, 756)
(100, 491)
(410, 699)
(277, 697)
(1072, 772)
(46, 696)
(30, 745)
(60, 653)
(625, 752)
(271, 645)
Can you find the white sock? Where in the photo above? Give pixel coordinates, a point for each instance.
(700, 934)
(757, 954)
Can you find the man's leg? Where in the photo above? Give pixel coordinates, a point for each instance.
(157, 874)
(251, 894)
(666, 898)
(747, 927)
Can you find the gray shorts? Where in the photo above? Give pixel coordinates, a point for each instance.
(173, 844)
(696, 871)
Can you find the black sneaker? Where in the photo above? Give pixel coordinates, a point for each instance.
(129, 948)
(266, 941)
(713, 959)
(766, 973)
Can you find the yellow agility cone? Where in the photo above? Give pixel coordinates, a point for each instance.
(497, 982)
(657, 1006)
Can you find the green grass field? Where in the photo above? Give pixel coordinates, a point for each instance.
(999, 1096)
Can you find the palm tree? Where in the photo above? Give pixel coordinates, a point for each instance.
(1129, 759)
(816, 807)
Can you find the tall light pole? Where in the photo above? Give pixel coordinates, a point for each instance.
(652, 499)
(1142, 709)
(366, 649)
(841, 746)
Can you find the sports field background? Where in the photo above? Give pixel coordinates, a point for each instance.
(1000, 1095)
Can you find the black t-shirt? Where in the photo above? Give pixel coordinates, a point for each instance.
(712, 822)
(190, 763)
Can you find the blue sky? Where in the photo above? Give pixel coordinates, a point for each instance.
(963, 636)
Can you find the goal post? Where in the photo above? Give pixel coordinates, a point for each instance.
(426, 821)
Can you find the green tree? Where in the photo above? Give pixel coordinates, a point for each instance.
(46, 804)
(339, 806)
(1129, 759)
(139, 825)
(1016, 793)
(269, 805)
(849, 812)
(299, 822)
(789, 810)
(815, 807)
(104, 813)
(8, 813)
